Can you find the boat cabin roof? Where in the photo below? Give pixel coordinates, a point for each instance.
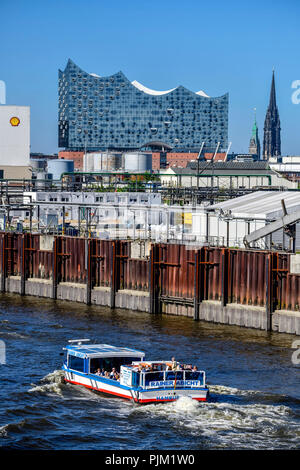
(102, 350)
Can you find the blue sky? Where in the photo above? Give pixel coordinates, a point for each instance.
(217, 46)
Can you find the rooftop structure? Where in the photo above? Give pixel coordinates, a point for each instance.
(265, 204)
(230, 221)
(231, 174)
(102, 350)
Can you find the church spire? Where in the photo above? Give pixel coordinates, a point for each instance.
(272, 103)
(272, 141)
(254, 146)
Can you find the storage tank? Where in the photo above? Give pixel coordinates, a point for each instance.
(88, 162)
(108, 162)
(60, 166)
(38, 164)
(137, 161)
(102, 161)
(43, 180)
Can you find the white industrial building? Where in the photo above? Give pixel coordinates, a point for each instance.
(138, 215)
(15, 141)
(228, 222)
(142, 215)
(108, 214)
(226, 175)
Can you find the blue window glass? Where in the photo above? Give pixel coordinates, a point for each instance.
(139, 118)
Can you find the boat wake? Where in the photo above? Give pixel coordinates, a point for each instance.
(51, 383)
(231, 425)
(231, 419)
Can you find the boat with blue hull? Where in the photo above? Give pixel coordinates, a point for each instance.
(123, 372)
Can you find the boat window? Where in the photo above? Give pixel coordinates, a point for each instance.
(135, 379)
(76, 363)
(174, 374)
(194, 375)
(107, 363)
(153, 377)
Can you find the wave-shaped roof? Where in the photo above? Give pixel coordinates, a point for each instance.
(113, 112)
(135, 83)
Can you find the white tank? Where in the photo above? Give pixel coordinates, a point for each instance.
(38, 164)
(60, 166)
(137, 161)
(102, 161)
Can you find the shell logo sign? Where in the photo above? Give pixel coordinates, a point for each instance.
(15, 121)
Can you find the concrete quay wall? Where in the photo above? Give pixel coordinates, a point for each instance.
(282, 321)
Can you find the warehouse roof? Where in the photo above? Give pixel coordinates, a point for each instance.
(226, 168)
(264, 203)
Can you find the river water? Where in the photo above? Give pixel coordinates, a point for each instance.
(254, 386)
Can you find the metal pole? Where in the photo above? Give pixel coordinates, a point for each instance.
(89, 273)
(63, 220)
(79, 221)
(196, 286)
(228, 231)
(113, 276)
(268, 292)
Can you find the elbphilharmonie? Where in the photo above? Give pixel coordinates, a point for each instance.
(100, 113)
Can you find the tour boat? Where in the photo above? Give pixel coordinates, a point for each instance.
(132, 377)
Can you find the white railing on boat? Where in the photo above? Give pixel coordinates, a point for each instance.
(180, 378)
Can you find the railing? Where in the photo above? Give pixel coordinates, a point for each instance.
(172, 379)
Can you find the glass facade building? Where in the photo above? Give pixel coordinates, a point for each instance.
(100, 113)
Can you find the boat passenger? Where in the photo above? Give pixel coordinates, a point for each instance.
(98, 371)
(174, 363)
(113, 373)
(116, 376)
(106, 374)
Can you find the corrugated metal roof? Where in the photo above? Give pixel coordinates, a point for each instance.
(266, 203)
(226, 168)
(259, 165)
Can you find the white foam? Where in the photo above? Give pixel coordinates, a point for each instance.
(231, 425)
(51, 383)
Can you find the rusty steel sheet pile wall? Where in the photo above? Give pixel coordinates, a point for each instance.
(171, 273)
(247, 277)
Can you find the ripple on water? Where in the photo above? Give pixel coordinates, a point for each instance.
(42, 412)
